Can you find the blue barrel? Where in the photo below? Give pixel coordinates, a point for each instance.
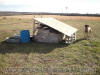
(25, 36)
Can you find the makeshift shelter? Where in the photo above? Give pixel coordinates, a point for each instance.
(50, 30)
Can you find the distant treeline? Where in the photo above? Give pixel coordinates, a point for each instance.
(45, 13)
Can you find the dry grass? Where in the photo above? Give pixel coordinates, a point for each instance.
(57, 16)
(84, 53)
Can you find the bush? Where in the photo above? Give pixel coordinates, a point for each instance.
(4, 18)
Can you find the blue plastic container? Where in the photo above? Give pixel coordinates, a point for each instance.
(25, 36)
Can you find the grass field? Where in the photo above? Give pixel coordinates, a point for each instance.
(81, 54)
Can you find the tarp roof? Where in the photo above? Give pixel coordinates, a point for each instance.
(57, 25)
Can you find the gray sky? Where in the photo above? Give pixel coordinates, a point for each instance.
(59, 6)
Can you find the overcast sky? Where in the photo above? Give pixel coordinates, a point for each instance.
(59, 6)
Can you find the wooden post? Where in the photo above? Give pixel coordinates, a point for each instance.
(75, 36)
(68, 40)
(33, 27)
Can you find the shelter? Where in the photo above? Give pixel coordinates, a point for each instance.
(50, 30)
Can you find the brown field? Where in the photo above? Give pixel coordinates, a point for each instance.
(79, 55)
(57, 16)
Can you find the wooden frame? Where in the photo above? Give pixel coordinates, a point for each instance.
(67, 39)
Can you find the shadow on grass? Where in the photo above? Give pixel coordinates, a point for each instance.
(32, 47)
(79, 40)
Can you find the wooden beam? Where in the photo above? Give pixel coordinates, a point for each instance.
(33, 29)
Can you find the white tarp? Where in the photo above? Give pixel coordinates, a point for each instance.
(57, 25)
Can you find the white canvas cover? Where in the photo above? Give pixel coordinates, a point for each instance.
(57, 25)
